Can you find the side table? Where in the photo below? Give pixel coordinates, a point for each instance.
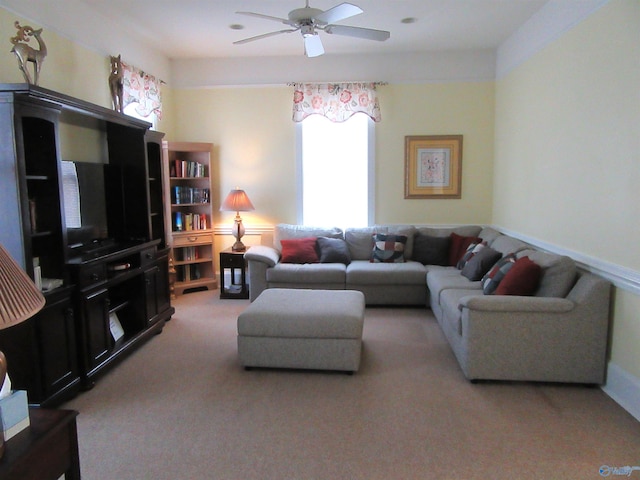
(45, 450)
(233, 261)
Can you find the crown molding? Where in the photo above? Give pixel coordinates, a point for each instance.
(553, 20)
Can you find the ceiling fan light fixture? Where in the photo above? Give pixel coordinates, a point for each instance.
(309, 20)
(307, 30)
(302, 14)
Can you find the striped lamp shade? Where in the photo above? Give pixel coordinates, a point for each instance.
(19, 297)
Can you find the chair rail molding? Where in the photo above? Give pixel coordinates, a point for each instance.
(621, 277)
(225, 229)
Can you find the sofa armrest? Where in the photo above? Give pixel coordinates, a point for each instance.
(264, 254)
(259, 258)
(516, 304)
(537, 338)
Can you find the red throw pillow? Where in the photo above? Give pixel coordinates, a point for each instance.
(522, 279)
(299, 250)
(458, 247)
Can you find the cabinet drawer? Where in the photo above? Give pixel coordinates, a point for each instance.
(90, 275)
(192, 239)
(148, 256)
(232, 260)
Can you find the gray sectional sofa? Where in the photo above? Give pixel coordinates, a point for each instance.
(558, 332)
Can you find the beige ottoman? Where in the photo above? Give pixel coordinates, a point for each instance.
(307, 329)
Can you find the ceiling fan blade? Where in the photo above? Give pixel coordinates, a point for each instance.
(286, 21)
(366, 33)
(313, 46)
(337, 13)
(264, 35)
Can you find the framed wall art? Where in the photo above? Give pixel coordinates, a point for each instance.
(433, 166)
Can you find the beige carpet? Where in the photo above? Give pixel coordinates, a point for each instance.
(182, 408)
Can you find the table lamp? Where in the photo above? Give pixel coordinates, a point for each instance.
(20, 299)
(237, 201)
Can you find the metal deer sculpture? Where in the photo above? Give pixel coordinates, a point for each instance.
(116, 83)
(25, 53)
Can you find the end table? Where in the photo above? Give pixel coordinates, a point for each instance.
(48, 448)
(233, 261)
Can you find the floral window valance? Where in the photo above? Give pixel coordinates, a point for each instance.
(336, 101)
(142, 89)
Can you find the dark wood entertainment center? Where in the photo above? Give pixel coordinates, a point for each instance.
(121, 276)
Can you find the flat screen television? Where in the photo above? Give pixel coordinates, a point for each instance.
(86, 207)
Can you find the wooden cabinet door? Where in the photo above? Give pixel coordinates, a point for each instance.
(57, 339)
(95, 322)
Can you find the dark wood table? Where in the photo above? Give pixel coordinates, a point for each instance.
(233, 261)
(45, 450)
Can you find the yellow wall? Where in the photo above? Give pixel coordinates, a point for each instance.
(68, 67)
(254, 142)
(435, 109)
(567, 143)
(255, 147)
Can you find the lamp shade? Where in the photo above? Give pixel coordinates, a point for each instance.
(19, 296)
(236, 201)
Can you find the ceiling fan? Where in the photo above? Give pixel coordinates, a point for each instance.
(310, 20)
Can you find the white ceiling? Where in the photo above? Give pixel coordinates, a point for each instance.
(201, 28)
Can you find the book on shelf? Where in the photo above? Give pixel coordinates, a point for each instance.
(184, 222)
(188, 168)
(188, 273)
(189, 254)
(186, 195)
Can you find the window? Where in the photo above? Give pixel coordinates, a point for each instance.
(335, 171)
(132, 112)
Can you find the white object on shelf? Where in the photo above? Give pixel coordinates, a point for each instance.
(115, 326)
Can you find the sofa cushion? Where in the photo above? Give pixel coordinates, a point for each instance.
(506, 244)
(333, 250)
(488, 235)
(360, 242)
(430, 250)
(469, 253)
(408, 231)
(299, 250)
(521, 279)
(494, 276)
(480, 263)
(440, 279)
(388, 248)
(459, 245)
(362, 272)
(463, 230)
(307, 273)
(558, 273)
(285, 231)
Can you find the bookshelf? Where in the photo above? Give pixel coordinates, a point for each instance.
(189, 214)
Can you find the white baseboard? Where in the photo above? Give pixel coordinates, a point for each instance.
(624, 388)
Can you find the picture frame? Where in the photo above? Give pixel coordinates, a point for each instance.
(433, 166)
